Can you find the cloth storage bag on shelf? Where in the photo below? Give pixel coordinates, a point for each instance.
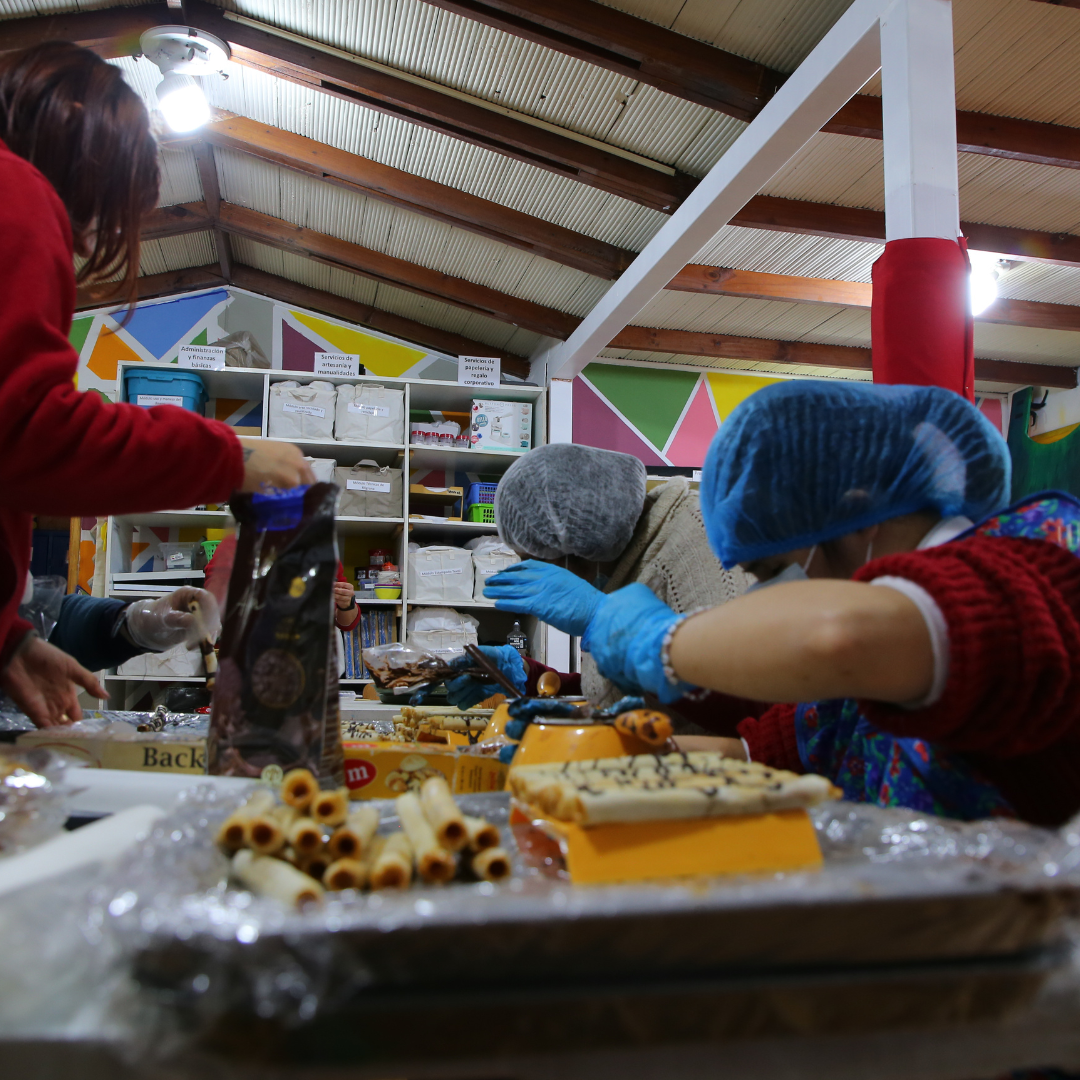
(369, 490)
(368, 412)
(440, 573)
(442, 631)
(302, 411)
(489, 559)
(323, 468)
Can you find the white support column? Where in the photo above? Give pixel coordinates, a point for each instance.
(837, 67)
(560, 429)
(919, 120)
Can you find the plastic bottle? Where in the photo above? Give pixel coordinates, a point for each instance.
(517, 639)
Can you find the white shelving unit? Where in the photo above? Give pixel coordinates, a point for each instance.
(393, 533)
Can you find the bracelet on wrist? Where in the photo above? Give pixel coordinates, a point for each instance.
(665, 647)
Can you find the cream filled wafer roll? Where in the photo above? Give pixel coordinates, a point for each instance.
(314, 865)
(267, 876)
(232, 835)
(330, 807)
(345, 874)
(433, 862)
(491, 864)
(391, 862)
(298, 788)
(305, 835)
(265, 833)
(482, 834)
(443, 814)
(351, 840)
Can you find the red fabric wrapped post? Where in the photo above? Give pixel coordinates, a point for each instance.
(920, 318)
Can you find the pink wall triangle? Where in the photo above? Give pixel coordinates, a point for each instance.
(297, 351)
(595, 424)
(695, 432)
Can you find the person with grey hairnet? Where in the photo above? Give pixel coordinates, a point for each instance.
(588, 510)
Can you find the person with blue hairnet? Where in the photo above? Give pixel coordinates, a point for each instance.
(921, 640)
(588, 509)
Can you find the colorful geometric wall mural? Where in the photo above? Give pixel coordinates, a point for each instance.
(663, 416)
(153, 335)
(1046, 464)
(299, 335)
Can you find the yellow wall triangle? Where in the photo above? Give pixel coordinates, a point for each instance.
(729, 390)
(108, 352)
(378, 356)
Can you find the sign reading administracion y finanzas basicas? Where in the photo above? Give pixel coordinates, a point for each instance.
(479, 370)
(334, 363)
(202, 357)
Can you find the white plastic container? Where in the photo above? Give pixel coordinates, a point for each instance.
(177, 556)
(440, 574)
(442, 631)
(298, 411)
(487, 561)
(370, 413)
(501, 425)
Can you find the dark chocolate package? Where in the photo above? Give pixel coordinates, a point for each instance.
(276, 696)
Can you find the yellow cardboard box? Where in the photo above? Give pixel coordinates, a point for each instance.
(145, 753)
(376, 770)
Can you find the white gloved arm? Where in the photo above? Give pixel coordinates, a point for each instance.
(161, 624)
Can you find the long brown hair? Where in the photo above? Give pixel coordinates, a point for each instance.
(70, 114)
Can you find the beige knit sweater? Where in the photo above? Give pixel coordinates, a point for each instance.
(670, 553)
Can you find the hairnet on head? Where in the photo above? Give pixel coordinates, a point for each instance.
(802, 462)
(565, 499)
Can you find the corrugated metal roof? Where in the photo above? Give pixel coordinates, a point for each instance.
(177, 253)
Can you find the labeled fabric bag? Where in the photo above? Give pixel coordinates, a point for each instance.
(442, 632)
(440, 574)
(276, 694)
(369, 490)
(323, 468)
(301, 411)
(489, 559)
(368, 412)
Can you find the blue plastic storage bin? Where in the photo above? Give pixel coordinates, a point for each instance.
(480, 493)
(150, 388)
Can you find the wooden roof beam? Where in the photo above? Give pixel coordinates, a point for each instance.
(855, 223)
(389, 270)
(150, 286)
(292, 292)
(176, 220)
(811, 354)
(749, 284)
(421, 196)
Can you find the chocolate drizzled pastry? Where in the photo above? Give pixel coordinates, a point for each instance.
(276, 698)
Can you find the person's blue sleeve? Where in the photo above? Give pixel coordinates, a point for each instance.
(465, 691)
(88, 630)
(552, 594)
(626, 640)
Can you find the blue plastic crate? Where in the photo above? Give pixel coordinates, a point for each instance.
(184, 388)
(480, 493)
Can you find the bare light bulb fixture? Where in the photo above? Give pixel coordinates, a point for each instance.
(983, 281)
(181, 53)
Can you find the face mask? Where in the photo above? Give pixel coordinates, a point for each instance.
(794, 572)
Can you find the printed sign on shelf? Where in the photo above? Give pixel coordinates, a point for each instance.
(337, 363)
(369, 410)
(202, 357)
(148, 401)
(478, 370)
(367, 485)
(306, 410)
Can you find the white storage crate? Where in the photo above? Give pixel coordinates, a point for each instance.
(442, 631)
(368, 412)
(176, 663)
(490, 560)
(440, 573)
(301, 411)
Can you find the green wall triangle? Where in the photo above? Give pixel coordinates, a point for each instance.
(80, 328)
(651, 400)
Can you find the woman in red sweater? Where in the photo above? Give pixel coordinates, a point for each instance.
(78, 170)
(935, 659)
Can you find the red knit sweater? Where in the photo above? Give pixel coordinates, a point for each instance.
(1011, 704)
(64, 452)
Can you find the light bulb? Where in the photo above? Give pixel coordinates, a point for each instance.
(182, 102)
(982, 284)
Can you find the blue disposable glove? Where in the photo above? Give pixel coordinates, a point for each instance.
(625, 638)
(552, 594)
(465, 691)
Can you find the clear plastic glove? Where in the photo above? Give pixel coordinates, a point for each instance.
(626, 637)
(468, 690)
(157, 625)
(552, 594)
